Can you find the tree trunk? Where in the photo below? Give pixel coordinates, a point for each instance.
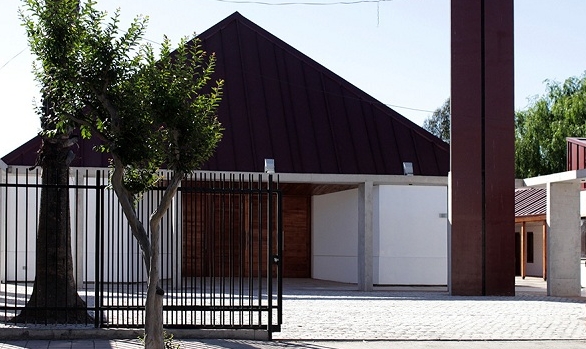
(54, 298)
(154, 335)
(153, 327)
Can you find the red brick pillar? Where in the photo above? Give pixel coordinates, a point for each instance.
(482, 258)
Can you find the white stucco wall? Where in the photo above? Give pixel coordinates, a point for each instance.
(334, 236)
(535, 268)
(121, 259)
(410, 235)
(18, 249)
(409, 247)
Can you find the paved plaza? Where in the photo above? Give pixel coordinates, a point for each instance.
(328, 315)
(335, 312)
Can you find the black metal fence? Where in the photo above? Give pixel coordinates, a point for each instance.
(220, 251)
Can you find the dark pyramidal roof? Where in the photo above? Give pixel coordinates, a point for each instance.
(280, 104)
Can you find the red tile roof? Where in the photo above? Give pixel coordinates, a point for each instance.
(280, 104)
(530, 202)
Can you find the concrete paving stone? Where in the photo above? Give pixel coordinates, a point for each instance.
(62, 344)
(323, 315)
(431, 315)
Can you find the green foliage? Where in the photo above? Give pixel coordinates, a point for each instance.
(148, 109)
(438, 123)
(541, 129)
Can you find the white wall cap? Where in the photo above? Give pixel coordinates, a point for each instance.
(574, 176)
(352, 179)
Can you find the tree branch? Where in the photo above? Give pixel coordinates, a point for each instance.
(125, 199)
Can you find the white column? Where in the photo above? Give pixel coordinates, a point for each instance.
(365, 236)
(563, 239)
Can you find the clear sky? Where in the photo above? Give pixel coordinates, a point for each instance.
(398, 51)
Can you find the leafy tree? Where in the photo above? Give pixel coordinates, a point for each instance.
(439, 122)
(54, 298)
(541, 129)
(147, 109)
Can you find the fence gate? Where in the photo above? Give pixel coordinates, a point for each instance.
(221, 250)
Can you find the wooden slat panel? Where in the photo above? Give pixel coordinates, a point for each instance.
(211, 239)
(297, 236)
(216, 244)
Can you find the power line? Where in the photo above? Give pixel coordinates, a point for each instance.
(11, 59)
(408, 108)
(388, 105)
(24, 49)
(353, 2)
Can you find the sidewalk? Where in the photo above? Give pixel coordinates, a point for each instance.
(243, 344)
(325, 315)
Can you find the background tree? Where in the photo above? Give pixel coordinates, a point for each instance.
(147, 109)
(54, 298)
(439, 122)
(541, 129)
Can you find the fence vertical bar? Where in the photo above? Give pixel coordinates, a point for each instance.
(259, 247)
(86, 229)
(4, 247)
(203, 243)
(212, 249)
(38, 193)
(221, 252)
(98, 250)
(16, 244)
(241, 245)
(280, 255)
(270, 257)
(231, 247)
(26, 235)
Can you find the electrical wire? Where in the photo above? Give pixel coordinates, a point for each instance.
(11, 59)
(264, 77)
(285, 4)
(353, 2)
(408, 108)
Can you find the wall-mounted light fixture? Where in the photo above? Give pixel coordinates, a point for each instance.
(270, 166)
(408, 168)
